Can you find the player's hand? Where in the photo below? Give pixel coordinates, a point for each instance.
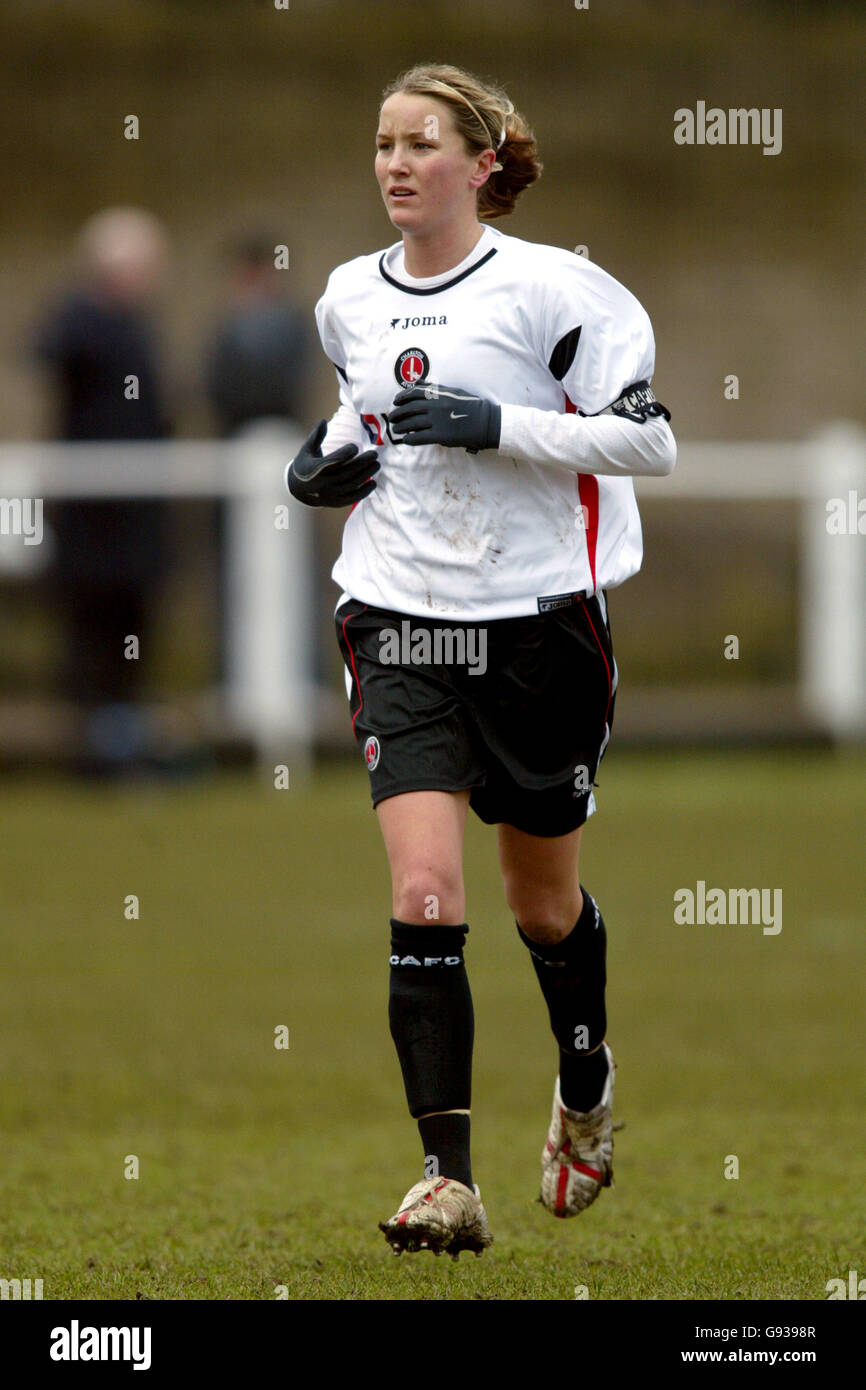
(335, 480)
(431, 414)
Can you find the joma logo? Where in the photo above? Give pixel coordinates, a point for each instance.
(429, 322)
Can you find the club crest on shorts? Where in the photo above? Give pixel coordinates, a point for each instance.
(371, 752)
(411, 366)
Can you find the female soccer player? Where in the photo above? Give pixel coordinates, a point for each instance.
(502, 390)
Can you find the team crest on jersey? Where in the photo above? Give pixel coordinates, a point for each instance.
(411, 366)
(371, 752)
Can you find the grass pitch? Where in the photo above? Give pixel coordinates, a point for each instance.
(263, 1169)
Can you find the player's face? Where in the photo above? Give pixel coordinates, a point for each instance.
(426, 176)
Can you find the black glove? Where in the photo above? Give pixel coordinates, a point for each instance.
(338, 479)
(433, 414)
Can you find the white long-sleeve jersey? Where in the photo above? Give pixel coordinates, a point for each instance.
(503, 533)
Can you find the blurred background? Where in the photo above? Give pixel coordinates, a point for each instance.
(255, 129)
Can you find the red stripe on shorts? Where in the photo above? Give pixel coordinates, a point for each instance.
(354, 667)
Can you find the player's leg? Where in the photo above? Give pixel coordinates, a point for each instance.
(430, 1005)
(431, 1016)
(560, 924)
(409, 720)
(423, 833)
(562, 927)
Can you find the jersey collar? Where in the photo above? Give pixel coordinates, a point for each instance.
(434, 284)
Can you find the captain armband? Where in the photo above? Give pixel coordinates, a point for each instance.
(636, 403)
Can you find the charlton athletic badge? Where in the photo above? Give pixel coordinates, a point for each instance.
(411, 367)
(371, 752)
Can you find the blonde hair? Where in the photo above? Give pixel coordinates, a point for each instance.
(485, 117)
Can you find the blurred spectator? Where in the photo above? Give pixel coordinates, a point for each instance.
(110, 555)
(258, 356)
(256, 367)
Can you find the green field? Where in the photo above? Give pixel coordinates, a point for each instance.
(261, 1167)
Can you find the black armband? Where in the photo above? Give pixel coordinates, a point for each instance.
(636, 403)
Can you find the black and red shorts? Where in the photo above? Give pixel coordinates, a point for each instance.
(517, 709)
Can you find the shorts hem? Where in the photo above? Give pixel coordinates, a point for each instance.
(425, 786)
(526, 827)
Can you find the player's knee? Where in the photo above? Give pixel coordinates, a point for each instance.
(546, 929)
(426, 894)
(544, 916)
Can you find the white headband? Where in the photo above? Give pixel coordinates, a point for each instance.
(468, 103)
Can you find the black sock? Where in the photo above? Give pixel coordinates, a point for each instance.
(572, 975)
(581, 1079)
(446, 1147)
(431, 1016)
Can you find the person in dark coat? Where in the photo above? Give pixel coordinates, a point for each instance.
(257, 364)
(110, 555)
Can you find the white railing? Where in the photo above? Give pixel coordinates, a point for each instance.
(828, 468)
(270, 693)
